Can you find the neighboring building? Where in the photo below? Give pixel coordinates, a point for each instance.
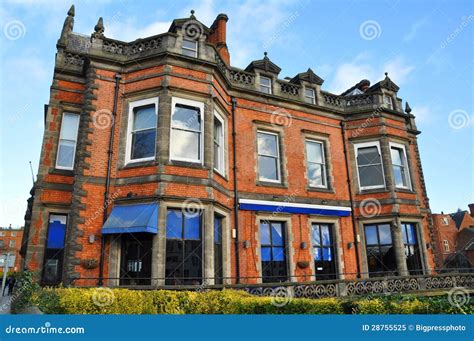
(446, 234)
(163, 164)
(10, 243)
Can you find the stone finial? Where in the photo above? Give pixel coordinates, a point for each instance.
(99, 29)
(407, 108)
(386, 74)
(265, 54)
(192, 15)
(68, 26)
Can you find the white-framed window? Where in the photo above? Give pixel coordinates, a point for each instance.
(190, 48)
(187, 130)
(265, 85)
(316, 163)
(13, 234)
(401, 173)
(309, 96)
(388, 101)
(446, 245)
(67, 141)
(12, 243)
(219, 143)
(268, 156)
(142, 128)
(369, 165)
(445, 221)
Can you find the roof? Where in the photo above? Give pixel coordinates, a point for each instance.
(359, 86)
(264, 64)
(194, 28)
(387, 83)
(308, 76)
(458, 217)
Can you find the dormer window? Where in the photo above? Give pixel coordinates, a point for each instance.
(387, 101)
(309, 96)
(266, 85)
(190, 48)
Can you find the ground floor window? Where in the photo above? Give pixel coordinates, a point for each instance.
(135, 263)
(323, 251)
(218, 271)
(54, 251)
(183, 247)
(380, 251)
(412, 249)
(272, 240)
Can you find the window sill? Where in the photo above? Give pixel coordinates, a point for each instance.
(187, 164)
(405, 190)
(318, 189)
(271, 184)
(373, 190)
(224, 177)
(57, 171)
(139, 164)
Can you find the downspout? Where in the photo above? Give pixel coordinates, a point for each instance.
(236, 192)
(107, 178)
(351, 198)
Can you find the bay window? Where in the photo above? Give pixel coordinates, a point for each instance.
(380, 250)
(401, 174)
(412, 250)
(369, 165)
(67, 141)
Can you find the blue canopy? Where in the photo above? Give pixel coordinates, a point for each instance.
(132, 219)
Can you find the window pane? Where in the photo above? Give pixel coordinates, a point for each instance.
(174, 224)
(192, 227)
(265, 90)
(385, 234)
(278, 254)
(309, 93)
(265, 81)
(371, 176)
(326, 234)
(69, 126)
(265, 234)
(409, 234)
(185, 144)
(189, 53)
(368, 156)
(315, 174)
(314, 152)
(268, 168)
(277, 234)
(316, 235)
(317, 254)
(217, 230)
(190, 44)
(187, 118)
(371, 235)
(399, 176)
(66, 153)
(266, 254)
(143, 144)
(397, 156)
(267, 144)
(144, 118)
(327, 254)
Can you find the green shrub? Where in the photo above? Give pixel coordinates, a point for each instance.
(370, 306)
(23, 294)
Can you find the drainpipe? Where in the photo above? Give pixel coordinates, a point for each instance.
(351, 198)
(236, 193)
(107, 178)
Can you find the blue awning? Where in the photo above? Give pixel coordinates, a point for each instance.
(294, 208)
(132, 219)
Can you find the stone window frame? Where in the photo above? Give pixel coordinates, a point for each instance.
(403, 147)
(223, 119)
(269, 87)
(370, 143)
(63, 113)
(313, 98)
(324, 139)
(289, 239)
(192, 103)
(128, 139)
(334, 222)
(418, 222)
(399, 143)
(196, 50)
(226, 244)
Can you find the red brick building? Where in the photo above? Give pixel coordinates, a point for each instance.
(10, 243)
(163, 164)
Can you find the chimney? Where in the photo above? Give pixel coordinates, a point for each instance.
(217, 37)
(471, 209)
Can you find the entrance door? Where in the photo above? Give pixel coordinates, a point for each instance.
(135, 265)
(323, 252)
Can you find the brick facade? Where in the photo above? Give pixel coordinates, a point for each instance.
(87, 72)
(10, 242)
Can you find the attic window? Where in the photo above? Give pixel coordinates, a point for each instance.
(309, 96)
(190, 48)
(387, 101)
(266, 85)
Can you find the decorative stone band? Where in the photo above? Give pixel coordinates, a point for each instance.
(294, 208)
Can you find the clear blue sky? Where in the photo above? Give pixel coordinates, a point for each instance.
(426, 46)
